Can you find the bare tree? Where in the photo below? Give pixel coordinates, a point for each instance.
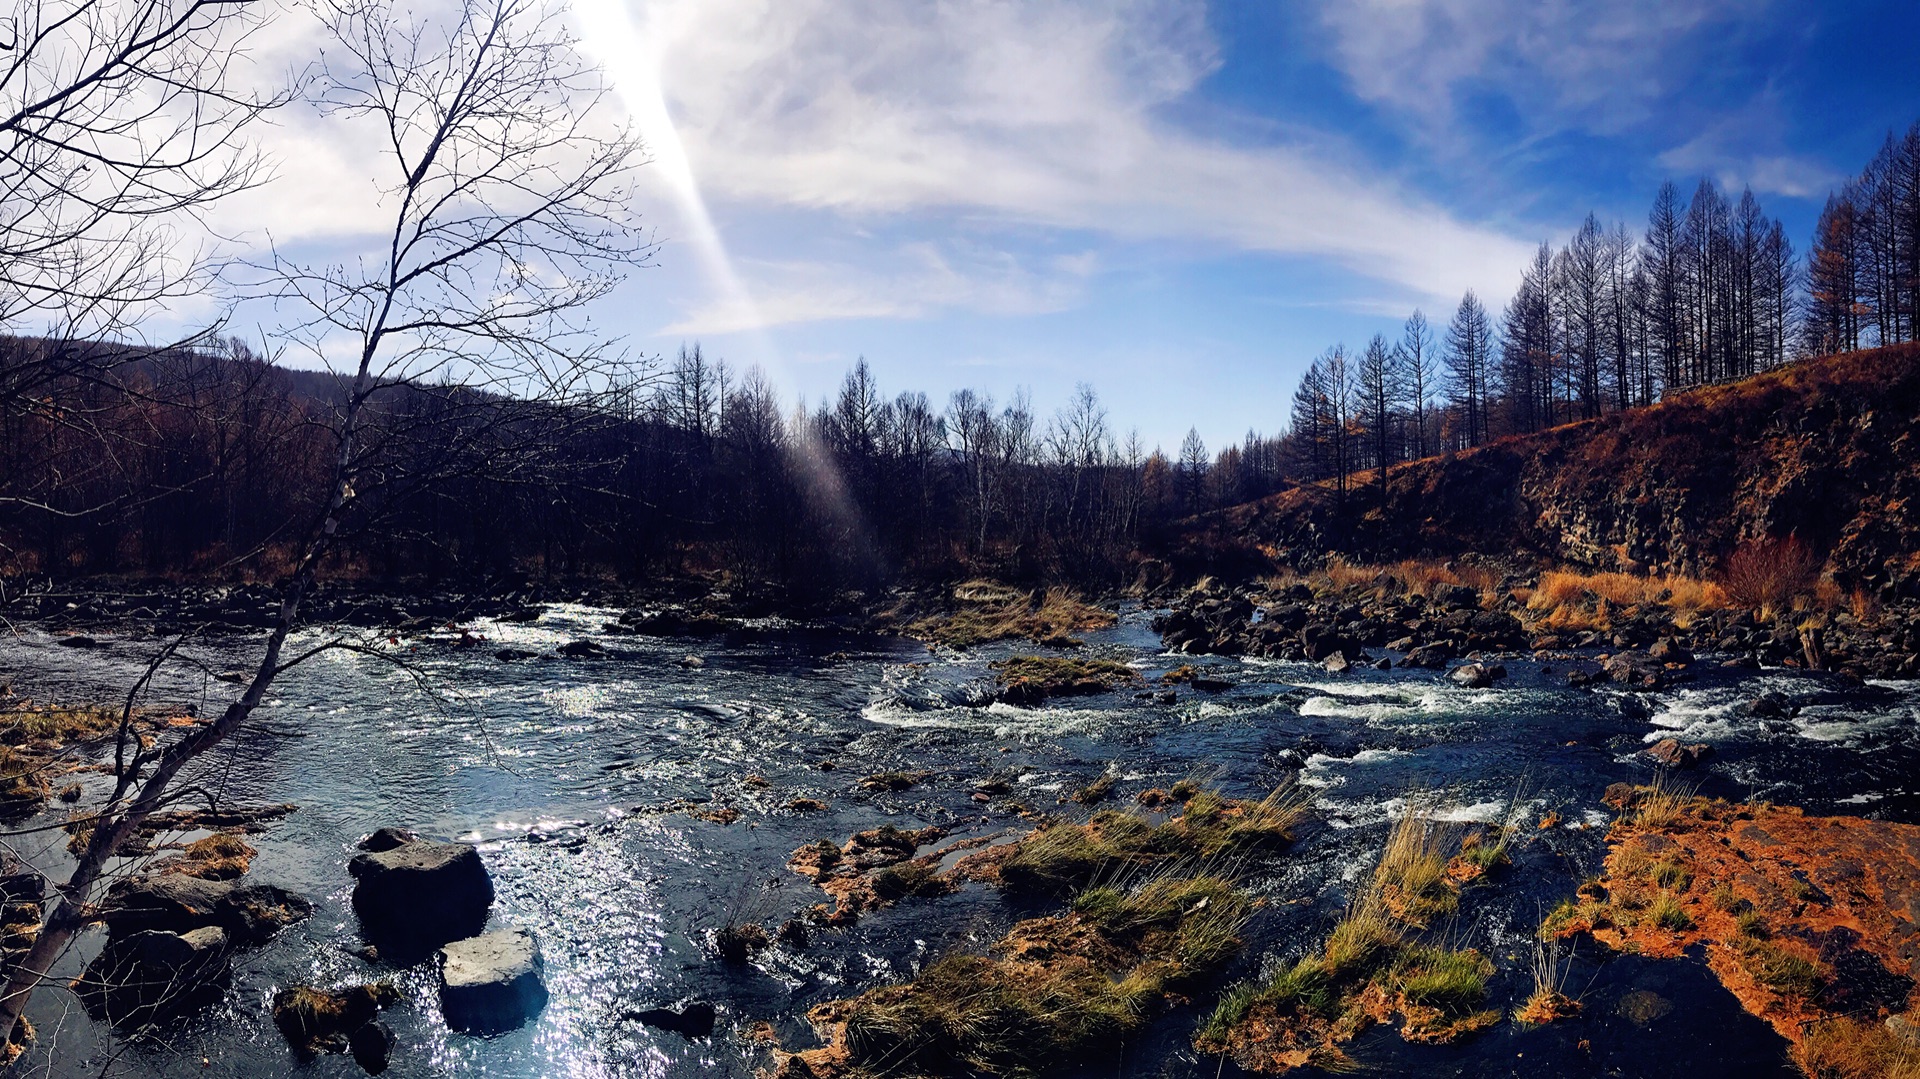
(1419, 376)
(508, 215)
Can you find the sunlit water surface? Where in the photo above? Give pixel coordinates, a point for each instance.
(560, 768)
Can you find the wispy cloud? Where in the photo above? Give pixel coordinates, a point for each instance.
(915, 281)
(1006, 118)
(1596, 64)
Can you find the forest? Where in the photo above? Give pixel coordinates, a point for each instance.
(192, 460)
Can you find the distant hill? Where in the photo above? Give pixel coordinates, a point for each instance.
(1826, 449)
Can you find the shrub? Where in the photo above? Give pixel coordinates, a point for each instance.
(1765, 575)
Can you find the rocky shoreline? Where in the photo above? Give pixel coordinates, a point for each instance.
(1644, 647)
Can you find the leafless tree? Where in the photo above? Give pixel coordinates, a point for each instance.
(509, 215)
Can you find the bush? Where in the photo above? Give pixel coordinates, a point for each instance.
(1765, 575)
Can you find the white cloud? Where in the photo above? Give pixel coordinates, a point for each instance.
(1596, 64)
(1743, 150)
(1000, 118)
(915, 281)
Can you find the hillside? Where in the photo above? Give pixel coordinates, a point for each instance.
(1824, 449)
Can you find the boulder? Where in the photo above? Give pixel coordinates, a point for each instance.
(385, 839)
(580, 650)
(1667, 650)
(420, 895)
(1337, 663)
(1670, 752)
(249, 913)
(318, 1021)
(693, 1021)
(692, 662)
(372, 1046)
(1471, 676)
(1635, 670)
(153, 975)
(493, 982)
(1770, 705)
(1430, 656)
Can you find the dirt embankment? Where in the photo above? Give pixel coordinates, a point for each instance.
(1825, 450)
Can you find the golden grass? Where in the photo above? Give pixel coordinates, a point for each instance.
(1412, 875)
(1056, 989)
(1856, 1049)
(1567, 600)
(1414, 576)
(995, 612)
(1210, 831)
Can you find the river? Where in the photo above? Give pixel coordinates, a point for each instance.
(562, 769)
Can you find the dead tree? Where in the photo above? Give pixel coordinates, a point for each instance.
(508, 203)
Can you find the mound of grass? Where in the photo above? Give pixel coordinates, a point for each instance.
(1028, 680)
(1051, 993)
(1063, 857)
(992, 612)
(1778, 969)
(1369, 970)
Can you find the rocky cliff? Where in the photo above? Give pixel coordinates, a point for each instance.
(1825, 450)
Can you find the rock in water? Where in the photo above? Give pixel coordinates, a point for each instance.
(151, 976)
(1337, 663)
(324, 1021)
(1471, 676)
(693, 1021)
(249, 913)
(420, 895)
(1670, 752)
(493, 982)
(372, 1046)
(385, 839)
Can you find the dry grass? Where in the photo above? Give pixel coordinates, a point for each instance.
(1056, 991)
(1660, 803)
(1210, 832)
(1566, 600)
(993, 612)
(1414, 576)
(1549, 1001)
(1411, 878)
(1856, 1049)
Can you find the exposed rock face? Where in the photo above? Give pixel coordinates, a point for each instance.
(152, 976)
(419, 895)
(492, 983)
(1825, 450)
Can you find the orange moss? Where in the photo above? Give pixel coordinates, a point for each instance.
(1789, 909)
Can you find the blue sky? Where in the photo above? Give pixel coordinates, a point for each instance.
(1180, 203)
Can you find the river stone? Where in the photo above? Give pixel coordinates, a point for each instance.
(693, 1021)
(372, 1046)
(1471, 676)
(249, 913)
(420, 895)
(384, 839)
(493, 982)
(1670, 752)
(153, 975)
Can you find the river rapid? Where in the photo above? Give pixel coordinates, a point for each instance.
(565, 771)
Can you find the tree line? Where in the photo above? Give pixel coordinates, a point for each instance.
(1710, 291)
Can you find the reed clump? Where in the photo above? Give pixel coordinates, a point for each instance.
(986, 611)
(1051, 992)
(1064, 857)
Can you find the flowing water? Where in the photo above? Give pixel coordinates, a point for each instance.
(563, 770)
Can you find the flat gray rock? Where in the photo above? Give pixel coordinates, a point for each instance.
(492, 982)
